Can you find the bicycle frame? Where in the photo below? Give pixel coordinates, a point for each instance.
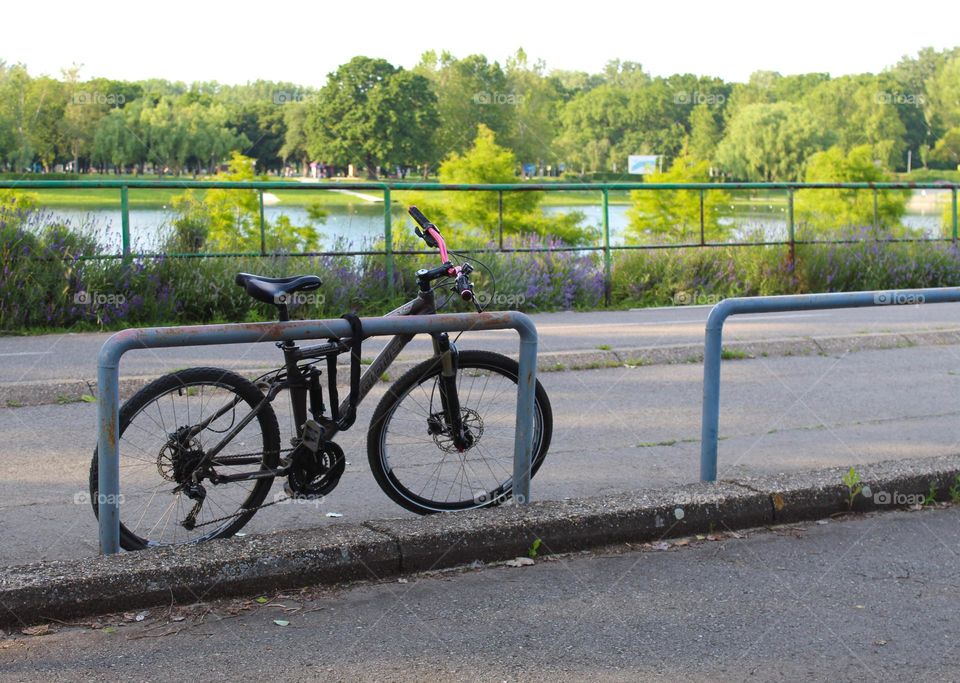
(424, 304)
(297, 383)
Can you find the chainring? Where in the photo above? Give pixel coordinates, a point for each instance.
(313, 475)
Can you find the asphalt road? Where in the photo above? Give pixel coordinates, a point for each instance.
(616, 430)
(73, 356)
(866, 598)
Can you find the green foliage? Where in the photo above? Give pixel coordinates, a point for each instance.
(766, 142)
(229, 220)
(660, 277)
(861, 110)
(705, 133)
(946, 153)
(828, 209)
(534, 548)
(674, 215)
(488, 162)
(854, 486)
(955, 490)
(470, 92)
(373, 114)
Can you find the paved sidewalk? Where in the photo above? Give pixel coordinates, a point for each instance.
(864, 598)
(616, 430)
(62, 357)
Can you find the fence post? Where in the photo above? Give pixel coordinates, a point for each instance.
(703, 239)
(876, 210)
(791, 230)
(500, 217)
(387, 240)
(607, 268)
(125, 221)
(954, 212)
(263, 230)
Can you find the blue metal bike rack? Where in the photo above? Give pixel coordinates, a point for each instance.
(710, 426)
(108, 381)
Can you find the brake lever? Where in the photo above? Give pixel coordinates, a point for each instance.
(426, 237)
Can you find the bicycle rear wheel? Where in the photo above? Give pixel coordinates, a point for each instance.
(162, 462)
(413, 457)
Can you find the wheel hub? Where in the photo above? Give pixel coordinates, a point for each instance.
(472, 430)
(180, 457)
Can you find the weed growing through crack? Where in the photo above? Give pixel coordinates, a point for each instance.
(854, 486)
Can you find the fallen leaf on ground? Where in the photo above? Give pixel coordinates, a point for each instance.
(682, 542)
(281, 622)
(42, 630)
(520, 562)
(662, 545)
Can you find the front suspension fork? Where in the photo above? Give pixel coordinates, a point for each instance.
(449, 397)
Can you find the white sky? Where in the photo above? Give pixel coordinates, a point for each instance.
(239, 41)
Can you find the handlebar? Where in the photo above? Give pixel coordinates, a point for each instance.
(463, 285)
(431, 235)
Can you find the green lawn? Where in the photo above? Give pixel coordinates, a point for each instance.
(161, 198)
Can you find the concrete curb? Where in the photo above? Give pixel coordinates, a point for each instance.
(374, 550)
(16, 394)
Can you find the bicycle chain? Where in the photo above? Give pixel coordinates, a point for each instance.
(242, 512)
(246, 510)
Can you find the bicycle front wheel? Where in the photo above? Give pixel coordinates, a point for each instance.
(412, 454)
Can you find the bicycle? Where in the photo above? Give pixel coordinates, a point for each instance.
(433, 444)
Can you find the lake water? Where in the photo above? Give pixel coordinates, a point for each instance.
(362, 223)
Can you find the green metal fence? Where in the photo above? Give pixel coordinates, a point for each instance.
(386, 188)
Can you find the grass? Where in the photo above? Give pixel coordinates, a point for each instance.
(97, 198)
(734, 354)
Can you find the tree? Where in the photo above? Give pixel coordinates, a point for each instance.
(834, 208)
(946, 153)
(43, 109)
(228, 220)
(295, 138)
(488, 162)
(536, 102)
(705, 133)
(944, 93)
(113, 142)
(470, 91)
(674, 215)
(262, 122)
(373, 114)
(767, 142)
(594, 123)
(858, 110)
